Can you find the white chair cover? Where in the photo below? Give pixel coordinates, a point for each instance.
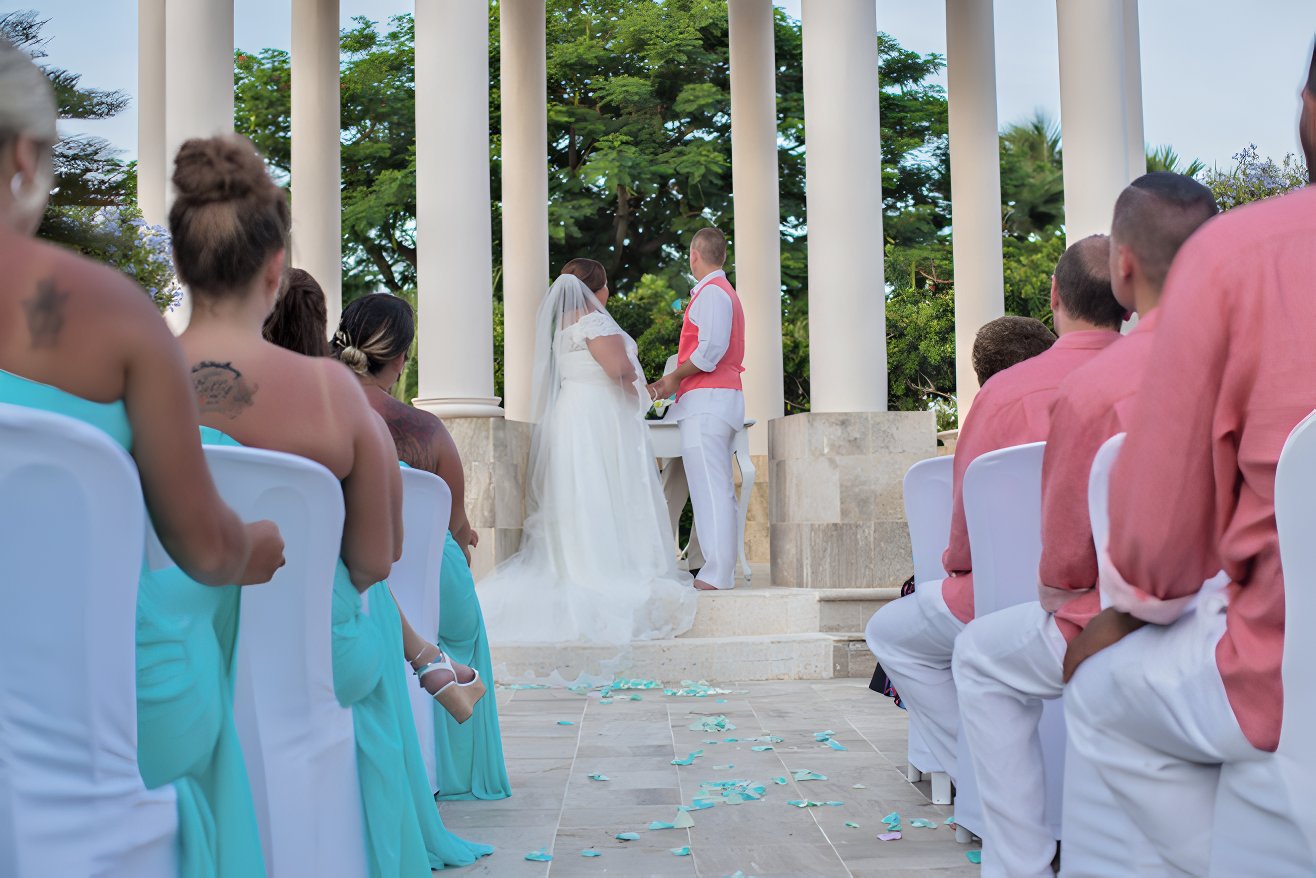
(928, 489)
(72, 520)
(297, 740)
(426, 508)
(1003, 510)
(1265, 820)
(1099, 496)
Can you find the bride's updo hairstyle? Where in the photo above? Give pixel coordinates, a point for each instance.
(229, 215)
(592, 273)
(373, 331)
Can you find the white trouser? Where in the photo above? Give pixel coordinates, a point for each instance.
(1151, 715)
(1006, 664)
(913, 638)
(706, 452)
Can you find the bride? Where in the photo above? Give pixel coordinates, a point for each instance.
(596, 562)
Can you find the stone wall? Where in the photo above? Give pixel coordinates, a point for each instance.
(495, 454)
(835, 502)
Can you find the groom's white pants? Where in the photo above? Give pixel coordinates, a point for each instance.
(706, 453)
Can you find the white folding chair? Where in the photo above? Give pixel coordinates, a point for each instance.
(928, 498)
(414, 580)
(72, 521)
(1265, 817)
(298, 742)
(1003, 510)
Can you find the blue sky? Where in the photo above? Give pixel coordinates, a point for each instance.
(1217, 74)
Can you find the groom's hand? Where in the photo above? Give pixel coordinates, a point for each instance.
(663, 387)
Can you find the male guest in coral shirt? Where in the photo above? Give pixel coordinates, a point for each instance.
(913, 638)
(1189, 688)
(1008, 662)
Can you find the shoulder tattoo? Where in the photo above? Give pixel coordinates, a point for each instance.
(45, 314)
(221, 389)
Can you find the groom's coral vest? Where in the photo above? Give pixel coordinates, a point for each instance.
(727, 372)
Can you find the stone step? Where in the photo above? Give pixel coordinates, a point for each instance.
(775, 611)
(813, 656)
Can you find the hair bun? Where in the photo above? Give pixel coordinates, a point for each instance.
(225, 168)
(355, 359)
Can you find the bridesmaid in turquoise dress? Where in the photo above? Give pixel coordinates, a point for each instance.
(229, 225)
(373, 338)
(83, 341)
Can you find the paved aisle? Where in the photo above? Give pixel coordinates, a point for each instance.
(556, 739)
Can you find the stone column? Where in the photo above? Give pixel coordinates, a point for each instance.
(198, 87)
(1133, 91)
(975, 175)
(835, 473)
(317, 229)
(525, 193)
(757, 234)
(152, 176)
(453, 224)
(847, 313)
(1093, 117)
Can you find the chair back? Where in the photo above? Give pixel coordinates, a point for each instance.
(72, 524)
(1099, 497)
(414, 580)
(927, 489)
(298, 742)
(1003, 511)
(1295, 515)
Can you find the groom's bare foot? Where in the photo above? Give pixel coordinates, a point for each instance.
(700, 585)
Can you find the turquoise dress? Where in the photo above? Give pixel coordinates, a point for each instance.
(404, 834)
(469, 756)
(186, 646)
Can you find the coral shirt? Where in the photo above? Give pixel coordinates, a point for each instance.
(1013, 408)
(1092, 405)
(1231, 373)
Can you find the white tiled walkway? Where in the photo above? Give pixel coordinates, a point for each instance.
(557, 807)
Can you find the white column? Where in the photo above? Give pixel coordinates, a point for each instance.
(757, 234)
(525, 192)
(317, 229)
(453, 225)
(975, 175)
(198, 86)
(847, 299)
(1133, 91)
(151, 165)
(1092, 113)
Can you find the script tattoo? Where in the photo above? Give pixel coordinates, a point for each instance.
(45, 314)
(221, 389)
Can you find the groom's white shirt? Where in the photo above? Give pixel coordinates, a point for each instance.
(711, 312)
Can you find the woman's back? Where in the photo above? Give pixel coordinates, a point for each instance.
(267, 397)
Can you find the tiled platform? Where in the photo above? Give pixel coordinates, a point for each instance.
(757, 631)
(558, 807)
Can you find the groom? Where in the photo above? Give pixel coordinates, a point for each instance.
(710, 406)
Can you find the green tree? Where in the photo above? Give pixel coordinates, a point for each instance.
(93, 208)
(639, 152)
(1032, 180)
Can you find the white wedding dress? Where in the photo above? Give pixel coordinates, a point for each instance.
(597, 563)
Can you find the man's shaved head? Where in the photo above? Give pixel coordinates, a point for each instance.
(1307, 122)
(711, 245)
(1083, 283)
(1155, 214)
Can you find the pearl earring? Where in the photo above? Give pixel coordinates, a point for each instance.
(16, 186)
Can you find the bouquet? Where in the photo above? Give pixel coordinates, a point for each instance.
(659, 409)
